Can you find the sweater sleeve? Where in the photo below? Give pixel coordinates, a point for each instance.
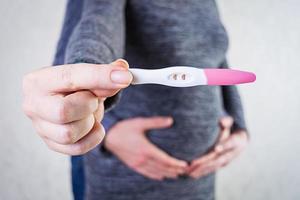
(99, 36)
(233, 104)
(71, 19)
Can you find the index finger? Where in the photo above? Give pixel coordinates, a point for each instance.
(203, 159)
(227, 144)
(164, 158)
(74, 77)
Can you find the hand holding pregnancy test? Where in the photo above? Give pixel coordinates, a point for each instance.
(74, 97)
(183, 76)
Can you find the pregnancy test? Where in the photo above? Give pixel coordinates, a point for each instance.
(183, 76)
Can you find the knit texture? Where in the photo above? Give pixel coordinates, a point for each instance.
(151, 35)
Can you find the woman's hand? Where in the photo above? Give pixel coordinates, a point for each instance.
(127, 140)
(228, 147)
(65, 103)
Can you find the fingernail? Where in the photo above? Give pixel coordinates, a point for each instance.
(169, 120)
(219, 148)
(121, 77)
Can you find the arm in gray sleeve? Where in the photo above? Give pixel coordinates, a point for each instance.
(99, 36)
(233, 104)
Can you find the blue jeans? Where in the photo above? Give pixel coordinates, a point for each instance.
(78, 180)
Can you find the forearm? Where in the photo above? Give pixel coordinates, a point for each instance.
(71, 19)
(99, 36)
(233, 104)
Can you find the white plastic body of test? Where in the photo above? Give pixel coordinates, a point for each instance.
(177, 76)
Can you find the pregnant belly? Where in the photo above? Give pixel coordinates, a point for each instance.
(195, 110)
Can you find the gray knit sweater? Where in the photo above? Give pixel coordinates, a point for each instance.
(156, 34)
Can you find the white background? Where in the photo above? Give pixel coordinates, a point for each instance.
(265, 38)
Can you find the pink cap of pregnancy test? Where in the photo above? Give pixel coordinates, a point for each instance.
(228, 76)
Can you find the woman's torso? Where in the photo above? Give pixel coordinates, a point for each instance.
(165, 33)
(159, 34)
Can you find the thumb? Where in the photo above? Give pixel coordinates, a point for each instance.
(225, 125)
(226, 122)
(155, 122)
(119, 74)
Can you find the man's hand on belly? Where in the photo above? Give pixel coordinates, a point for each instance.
(127, 140)
(228, 147)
